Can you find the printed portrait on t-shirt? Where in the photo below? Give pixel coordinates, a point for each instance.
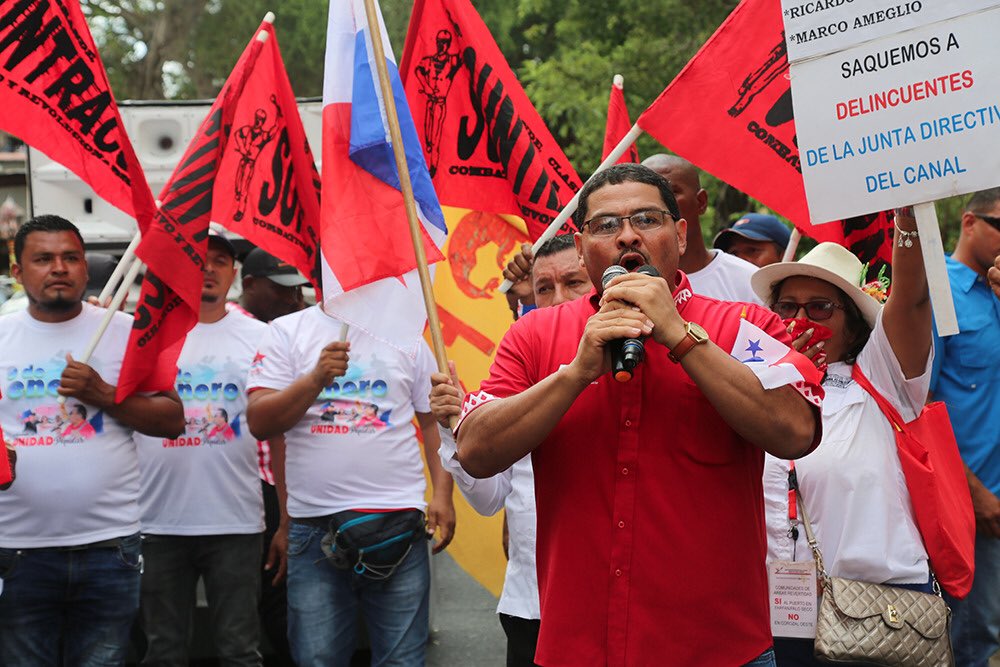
(43, 421)
(354, 403)
(213, 402)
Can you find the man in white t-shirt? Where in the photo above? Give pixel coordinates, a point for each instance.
(711, 272)
(355, 485)
(69, 526)
(202, 511)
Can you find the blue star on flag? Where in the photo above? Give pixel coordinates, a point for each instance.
(753, 348)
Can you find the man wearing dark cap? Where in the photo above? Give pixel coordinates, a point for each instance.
(756, 237)
(271, 287)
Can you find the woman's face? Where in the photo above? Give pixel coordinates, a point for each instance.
(802, 290)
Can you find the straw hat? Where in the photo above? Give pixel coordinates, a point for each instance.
(827, 261)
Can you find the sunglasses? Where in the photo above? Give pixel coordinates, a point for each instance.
(990, 220)
(817, 311)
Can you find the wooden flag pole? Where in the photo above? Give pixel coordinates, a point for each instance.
(570, 208)
(793, 245)
(396, 136)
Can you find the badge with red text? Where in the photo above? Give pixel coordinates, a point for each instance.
(793, 596)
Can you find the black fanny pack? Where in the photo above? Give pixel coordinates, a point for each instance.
(373, 544)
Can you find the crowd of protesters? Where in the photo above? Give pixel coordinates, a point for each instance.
(284, 470)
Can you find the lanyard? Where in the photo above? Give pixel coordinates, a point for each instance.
(793, 506)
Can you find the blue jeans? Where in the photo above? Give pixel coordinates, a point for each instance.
(323, 606)
(765, 659)
(975, 621)
(70, 607)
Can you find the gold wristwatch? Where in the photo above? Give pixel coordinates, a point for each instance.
(695, 335)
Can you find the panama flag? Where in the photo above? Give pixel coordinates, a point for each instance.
(369, 277)
(775, 364)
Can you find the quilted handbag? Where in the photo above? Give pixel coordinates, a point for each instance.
(873, 624)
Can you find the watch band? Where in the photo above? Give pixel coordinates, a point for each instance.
(678, 351)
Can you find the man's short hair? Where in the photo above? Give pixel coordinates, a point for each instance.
(983, 201)
(222, 412)
(625, 173)
(80, 409)
(42, 223)
(556, 244)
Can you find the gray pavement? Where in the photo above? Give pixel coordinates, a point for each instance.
(464, 625)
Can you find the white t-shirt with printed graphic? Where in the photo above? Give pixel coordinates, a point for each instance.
(206, 482)
(356, 446)
(77, 470)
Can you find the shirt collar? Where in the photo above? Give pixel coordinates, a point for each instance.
(961, 275)
(682, 293)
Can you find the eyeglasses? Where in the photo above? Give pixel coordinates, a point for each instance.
(817, 311)
(990, 220)
(643, 221)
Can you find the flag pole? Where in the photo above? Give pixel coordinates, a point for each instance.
(406, 186)
(793, 245)
(123, 265)
(123, 289)
(938, 283)
(570, 208)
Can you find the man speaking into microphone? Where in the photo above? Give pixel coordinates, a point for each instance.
(650, 536)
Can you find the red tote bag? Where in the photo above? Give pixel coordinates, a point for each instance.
(939, 489)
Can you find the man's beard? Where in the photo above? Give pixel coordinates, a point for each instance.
(59, 304)
(209, 298)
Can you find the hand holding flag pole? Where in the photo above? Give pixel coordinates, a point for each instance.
(570, 208)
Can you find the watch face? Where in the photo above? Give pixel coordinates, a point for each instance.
(697, 332)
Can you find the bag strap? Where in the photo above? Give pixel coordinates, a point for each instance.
(793, 484)
(887, 408)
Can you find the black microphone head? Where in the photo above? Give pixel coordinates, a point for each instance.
(613, 272)
(648, 270)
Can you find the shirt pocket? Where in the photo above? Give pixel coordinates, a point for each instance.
(975, 348)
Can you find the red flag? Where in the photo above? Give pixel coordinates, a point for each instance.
(174, 245)
(266, 186)
(486, 146)
(729, 112)
(55, 96)
(618, 123)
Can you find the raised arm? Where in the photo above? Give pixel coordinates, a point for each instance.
(907, 313)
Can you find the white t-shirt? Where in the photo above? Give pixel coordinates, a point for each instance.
(77, 474)
(726, 278)
(206, 481)
(514, 490)
(356, 447)
(852, 484)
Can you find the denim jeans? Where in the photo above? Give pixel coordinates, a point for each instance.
(765, 659)
(975, 621)
(230, 568)
(324, 602)
(70, 607)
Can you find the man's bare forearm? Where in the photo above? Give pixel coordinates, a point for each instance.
(779, 421)
(159, 415)
(272, 412)
(496, 435)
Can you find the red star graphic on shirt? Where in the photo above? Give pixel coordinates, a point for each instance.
(258, 358)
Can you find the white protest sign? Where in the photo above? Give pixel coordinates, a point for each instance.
(912, 116)
(817, 27)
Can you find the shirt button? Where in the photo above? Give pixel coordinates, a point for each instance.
(621, 524)
(972, 386)
(624, 471)
(618, 573)
(628, 422)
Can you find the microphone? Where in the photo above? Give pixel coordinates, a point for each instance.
(626, 353)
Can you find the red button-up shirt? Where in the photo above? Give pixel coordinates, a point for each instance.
(651, 539)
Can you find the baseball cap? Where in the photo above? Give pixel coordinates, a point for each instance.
(261, 264)
(220, 239)
(755, 227)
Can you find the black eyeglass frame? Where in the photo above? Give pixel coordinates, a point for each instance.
(622, 219)
(990, 220)
(825, 314)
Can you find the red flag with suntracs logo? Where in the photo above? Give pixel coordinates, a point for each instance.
(729, 112)
(55, 96)
(273, 204)
(618, 123)
(486, 147)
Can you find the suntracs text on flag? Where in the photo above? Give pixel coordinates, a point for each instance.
(369, 276)
(485, 144)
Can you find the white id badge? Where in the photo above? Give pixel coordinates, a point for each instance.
(794, 599)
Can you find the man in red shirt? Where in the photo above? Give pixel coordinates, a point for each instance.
(650, 514)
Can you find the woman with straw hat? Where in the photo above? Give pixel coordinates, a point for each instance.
(852, 484)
